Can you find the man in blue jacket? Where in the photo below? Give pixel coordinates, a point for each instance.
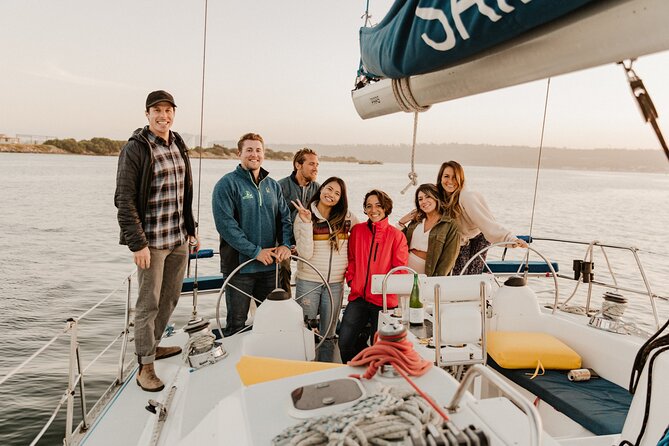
(300, 185)
(253, 221)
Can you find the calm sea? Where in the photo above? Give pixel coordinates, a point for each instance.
(59, 251)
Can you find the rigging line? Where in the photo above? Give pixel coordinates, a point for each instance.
(366, 16)
(645, 103)
(199, 170)
(413, 176)
(541, 146)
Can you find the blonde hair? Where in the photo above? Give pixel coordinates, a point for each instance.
(249, 137)
(301, 156)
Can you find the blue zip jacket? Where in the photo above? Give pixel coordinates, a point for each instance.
(249, 217)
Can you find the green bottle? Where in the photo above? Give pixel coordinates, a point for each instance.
(416, 315)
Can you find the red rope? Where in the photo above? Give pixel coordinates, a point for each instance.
(399, 353)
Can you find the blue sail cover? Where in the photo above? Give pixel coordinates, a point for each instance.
(420, 36)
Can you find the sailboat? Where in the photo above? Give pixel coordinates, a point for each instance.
(261, 387)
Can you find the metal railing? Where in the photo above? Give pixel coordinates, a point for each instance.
(534, 419)
(589, 256)
(76, 372)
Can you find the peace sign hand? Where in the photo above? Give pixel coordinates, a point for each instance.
(304, 213)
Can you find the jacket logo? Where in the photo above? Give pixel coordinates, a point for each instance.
(267, 189)
(247, 195)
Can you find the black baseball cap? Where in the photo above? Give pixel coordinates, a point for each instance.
(159, 96)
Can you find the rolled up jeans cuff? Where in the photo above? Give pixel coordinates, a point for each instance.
(146, 359)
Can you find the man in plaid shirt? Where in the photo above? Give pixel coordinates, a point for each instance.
(154, 195)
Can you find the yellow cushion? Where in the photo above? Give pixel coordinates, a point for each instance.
(255, 369)
(523, 350)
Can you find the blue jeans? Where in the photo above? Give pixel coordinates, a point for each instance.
(258, 285)
(315, 299)
(352, 335)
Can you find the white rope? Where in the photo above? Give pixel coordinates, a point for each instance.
(404, 96)
(413, 176)
(197, 344)
(406, 102)
(613, 310)
(388, 416)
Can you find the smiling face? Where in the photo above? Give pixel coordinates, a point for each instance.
(373, 209)
(330, 194)
(161, 117)
(251, 155)
(426, 203)
(308, 170)
(449, 181)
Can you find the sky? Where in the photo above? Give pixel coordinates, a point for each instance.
(285, 69)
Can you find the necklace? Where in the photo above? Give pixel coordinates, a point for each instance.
(430, 222)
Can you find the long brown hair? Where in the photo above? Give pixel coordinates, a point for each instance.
(431, 191)
(451, 202)
(337, 218)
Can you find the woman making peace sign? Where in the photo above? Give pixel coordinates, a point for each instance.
(321, 237)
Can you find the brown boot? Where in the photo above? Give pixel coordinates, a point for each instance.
(147, 379)
(167, 352)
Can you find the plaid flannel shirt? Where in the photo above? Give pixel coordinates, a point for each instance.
(165, 226)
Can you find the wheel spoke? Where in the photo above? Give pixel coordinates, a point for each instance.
(258, 301)
(298, 298)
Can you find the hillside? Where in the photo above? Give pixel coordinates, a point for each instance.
(467, 154)
(506, 156)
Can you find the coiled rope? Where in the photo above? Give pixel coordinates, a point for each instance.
(398, 352)
(389, 416)
(198, 343)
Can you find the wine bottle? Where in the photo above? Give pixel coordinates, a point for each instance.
(416, 315)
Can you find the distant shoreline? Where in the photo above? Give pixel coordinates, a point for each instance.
(194, 153)
(594, 160)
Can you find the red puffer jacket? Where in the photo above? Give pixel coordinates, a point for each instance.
(373, 248)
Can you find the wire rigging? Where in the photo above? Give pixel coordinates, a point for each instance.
(541, 146)
(199, 170)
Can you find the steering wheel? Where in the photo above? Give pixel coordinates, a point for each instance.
(333, 316)
(520, 269)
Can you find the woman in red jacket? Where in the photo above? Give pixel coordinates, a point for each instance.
(374, 247)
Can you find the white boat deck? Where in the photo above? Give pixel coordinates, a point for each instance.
(211, 405)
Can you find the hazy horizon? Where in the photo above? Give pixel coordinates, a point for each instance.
(283, 69)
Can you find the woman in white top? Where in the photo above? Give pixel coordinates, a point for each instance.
(432, 236)
(476, 223)
(321, 233)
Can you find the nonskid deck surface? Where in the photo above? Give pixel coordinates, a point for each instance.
(211, 406)
(198, 390)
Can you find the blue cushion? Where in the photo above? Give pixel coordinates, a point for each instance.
(202, 254)
(598, 405)
(513, 266)
(203, 283)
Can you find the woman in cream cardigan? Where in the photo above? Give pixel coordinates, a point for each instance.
(321, 233)
(476, 223)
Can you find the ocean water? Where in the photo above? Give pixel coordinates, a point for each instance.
(59, 251)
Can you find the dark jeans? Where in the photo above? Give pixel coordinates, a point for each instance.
(467, 252)
(258, 285)
(357, 315)
(285, 276)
